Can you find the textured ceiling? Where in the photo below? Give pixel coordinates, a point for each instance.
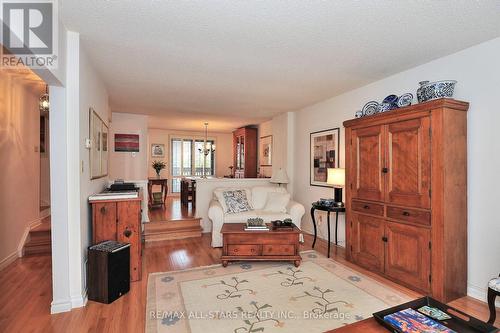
(255, 59)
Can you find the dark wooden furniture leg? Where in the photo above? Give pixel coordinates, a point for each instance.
(314, 225)
(336, 227)
(328, 223)
(492, 295)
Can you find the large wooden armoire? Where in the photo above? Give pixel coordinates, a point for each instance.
(406, 196)
(245, 152)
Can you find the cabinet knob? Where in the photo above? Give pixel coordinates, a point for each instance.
(366, 207)
(127, 233)
(405, 213)
(384, 239)
(385, 170)
(103, 210)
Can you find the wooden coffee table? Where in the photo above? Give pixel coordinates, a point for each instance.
(272, 245)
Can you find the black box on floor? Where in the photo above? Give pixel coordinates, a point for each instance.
(108, 271)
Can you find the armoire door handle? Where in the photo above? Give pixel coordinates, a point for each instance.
(384, 239)
(385, 170)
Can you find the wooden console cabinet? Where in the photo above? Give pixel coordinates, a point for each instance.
(120, 220)
(406, 196)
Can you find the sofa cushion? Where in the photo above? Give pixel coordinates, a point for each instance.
(259, 195)
(236, 201)
(219, 196)
(277, 202)
(243, 217)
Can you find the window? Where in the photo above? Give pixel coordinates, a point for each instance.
(187, 159)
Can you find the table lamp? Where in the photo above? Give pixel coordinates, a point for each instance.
(336, 177)
(280, 177)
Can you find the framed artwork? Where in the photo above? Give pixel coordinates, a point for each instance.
(266, 150)
(98, 133)
(324, 154)
(127, 143)
(157, 150)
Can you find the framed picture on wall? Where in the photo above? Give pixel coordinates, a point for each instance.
(157, 150)
(324, 155)
(266, 150)
(98, 133)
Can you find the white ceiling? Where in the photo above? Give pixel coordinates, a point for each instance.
(245, 61)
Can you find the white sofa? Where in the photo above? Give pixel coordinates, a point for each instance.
(257, 200)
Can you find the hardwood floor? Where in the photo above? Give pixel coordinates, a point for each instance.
(174, 221)
(25, 291)
(172, 211)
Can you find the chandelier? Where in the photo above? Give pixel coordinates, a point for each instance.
(207, 148)
(43, 102)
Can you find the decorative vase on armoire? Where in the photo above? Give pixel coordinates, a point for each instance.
(406, 196)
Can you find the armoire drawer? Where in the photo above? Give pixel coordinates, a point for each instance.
(243, 250)
(368, 207)
(409, 215)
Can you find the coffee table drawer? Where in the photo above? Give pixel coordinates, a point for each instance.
(243, 250)
(278, 250)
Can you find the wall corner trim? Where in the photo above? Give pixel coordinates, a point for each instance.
(479, 294)
(79, 301)
(60, 306)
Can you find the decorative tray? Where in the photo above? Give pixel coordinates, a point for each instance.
(458, 322)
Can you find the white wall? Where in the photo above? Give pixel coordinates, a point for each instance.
(125, 165)
(92, 93)
(19, 160)
(477, 70)
(278, 127)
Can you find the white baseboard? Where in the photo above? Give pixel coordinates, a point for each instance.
(24, 237)
(480, 294)
(8, 260)
(60, 306)
(79, 301)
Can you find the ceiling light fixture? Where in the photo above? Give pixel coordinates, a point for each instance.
(207, 149)
(43, 102)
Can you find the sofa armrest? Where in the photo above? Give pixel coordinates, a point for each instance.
(215, 210)
(216, 215)
(296, 211)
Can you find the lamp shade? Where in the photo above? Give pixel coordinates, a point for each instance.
(336, 177)
(280, 177)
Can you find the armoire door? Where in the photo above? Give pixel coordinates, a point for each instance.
(409, 163)
(408, 256)
(104, 221)
(128, 231)
(367, 163)
(367, 247)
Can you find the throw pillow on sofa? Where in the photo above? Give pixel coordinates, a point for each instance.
(236, 201)
(219, 195)
(277, 202)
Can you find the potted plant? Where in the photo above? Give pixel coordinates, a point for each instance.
(158, 166)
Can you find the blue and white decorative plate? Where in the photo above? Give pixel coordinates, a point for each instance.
(405, 100)
(384, 107)
(391, 99)
(370, 108)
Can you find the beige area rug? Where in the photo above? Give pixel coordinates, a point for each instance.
(264, 297)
